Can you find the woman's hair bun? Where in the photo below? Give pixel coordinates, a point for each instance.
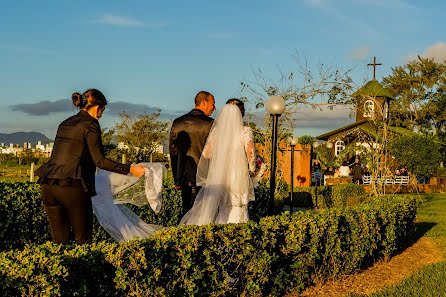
(77, 100)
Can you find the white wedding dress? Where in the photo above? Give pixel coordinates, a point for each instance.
(223, 173)
(119, 221)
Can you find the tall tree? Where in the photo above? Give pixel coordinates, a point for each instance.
(142, 133)
(419, 87)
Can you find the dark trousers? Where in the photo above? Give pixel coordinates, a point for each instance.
(68, 207)
(188, 194)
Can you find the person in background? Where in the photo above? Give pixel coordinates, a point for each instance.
(336, 174)
(356, 170)
(317, 172)
(344, 170)
(68, 179)
(329, 173)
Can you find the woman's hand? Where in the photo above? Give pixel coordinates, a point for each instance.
(137, 170)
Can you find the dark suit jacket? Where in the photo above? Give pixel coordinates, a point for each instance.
(77, 152)
(187, 139)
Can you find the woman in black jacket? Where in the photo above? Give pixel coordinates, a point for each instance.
(68, 179)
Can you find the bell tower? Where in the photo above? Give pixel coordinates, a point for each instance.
(372, 100)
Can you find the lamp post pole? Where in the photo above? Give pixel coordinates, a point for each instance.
(292, 179)
(293, 140)
(275, 106)
(272, 185)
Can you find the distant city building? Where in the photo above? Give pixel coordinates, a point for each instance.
(121, 146)
(39, 146)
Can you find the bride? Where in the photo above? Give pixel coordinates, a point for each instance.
(224, 170)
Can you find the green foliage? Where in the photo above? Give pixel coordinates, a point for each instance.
(325, 156)
(141, 133)
(259, 208)
(419, 154)
(279, 254)
(306, 140)
(329, 196)
(107, 144)
(23, 219)
(419, 90)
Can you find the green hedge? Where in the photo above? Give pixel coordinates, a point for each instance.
(278, 254)
(23, 220)
(329, 196)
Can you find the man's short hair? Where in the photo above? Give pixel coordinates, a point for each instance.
(202, 96)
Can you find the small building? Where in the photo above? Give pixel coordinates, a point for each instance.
(372, 103)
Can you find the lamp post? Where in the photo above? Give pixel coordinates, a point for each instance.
(275, 106)
(293, 141)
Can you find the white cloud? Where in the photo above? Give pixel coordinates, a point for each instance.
(360, 53)
(315, 121)
(436, 52)
(109, 19)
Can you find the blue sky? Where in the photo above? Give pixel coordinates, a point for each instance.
(145, 55)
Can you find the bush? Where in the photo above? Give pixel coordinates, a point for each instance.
(23, 219)
(329, 196)
(259, 208)
(270, 258)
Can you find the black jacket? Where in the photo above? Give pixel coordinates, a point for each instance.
(187, 139)
(77, 152)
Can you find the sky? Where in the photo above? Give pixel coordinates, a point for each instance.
(147, 55)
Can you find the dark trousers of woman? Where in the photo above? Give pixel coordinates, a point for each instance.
(68, 207)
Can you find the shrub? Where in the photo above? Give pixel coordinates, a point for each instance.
(329, 196)
(23, 220)
(259, 208)
(270, 258)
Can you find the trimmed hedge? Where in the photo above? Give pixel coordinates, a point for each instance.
(329, 196)
(276, 255)
(23, 219)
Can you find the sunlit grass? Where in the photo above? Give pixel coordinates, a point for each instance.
(431, 279)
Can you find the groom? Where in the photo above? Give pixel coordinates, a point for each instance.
(187, 139)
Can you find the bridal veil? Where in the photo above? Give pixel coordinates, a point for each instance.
(223, 171)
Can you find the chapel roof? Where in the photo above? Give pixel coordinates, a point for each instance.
(339, 130)
(373, 89)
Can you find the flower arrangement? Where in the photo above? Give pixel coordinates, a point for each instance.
(260, 168)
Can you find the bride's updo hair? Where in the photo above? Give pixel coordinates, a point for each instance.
(88, 99)
(239, 104)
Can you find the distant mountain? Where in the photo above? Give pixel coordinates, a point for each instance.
(21, 137)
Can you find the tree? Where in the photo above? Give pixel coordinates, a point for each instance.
(142, 134)
(317, 86)
(419, 154)
(107, 135)
(419, 87)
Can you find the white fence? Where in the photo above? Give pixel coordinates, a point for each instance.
(388, 180)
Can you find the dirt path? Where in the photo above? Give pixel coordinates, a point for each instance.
(425, 251)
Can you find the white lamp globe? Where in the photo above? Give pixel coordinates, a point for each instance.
(315, 144)
(275, 105)
(329, 145)
(293, 140)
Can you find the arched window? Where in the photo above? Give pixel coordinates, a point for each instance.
(339, 146)
(369, 109)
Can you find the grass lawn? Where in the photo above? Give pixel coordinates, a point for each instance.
(19, 173)
(429, 280)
